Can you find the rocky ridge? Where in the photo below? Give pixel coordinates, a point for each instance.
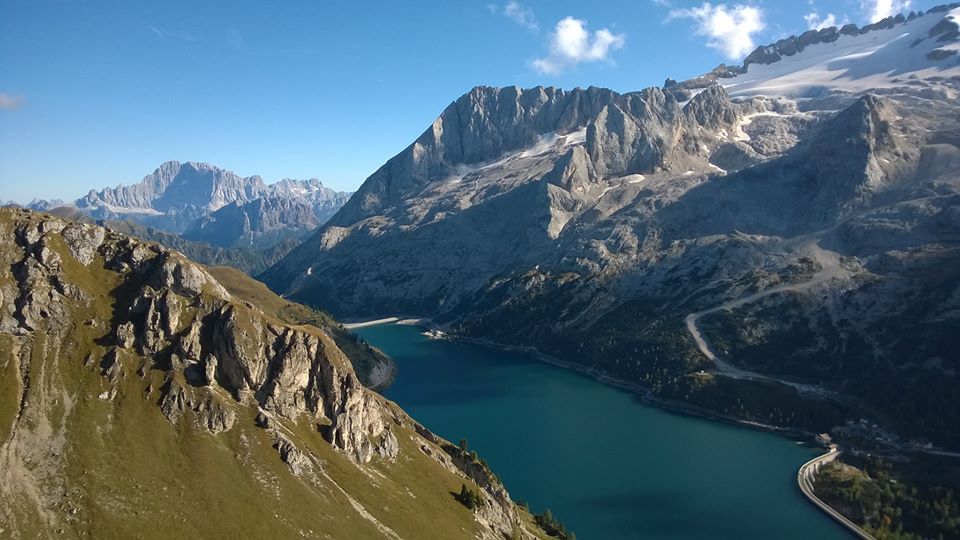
(943, 31)
(206, 203)
(97, 328)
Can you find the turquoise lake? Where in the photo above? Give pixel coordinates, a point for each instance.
(606, 464)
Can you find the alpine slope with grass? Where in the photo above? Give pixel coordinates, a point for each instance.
(148, 396)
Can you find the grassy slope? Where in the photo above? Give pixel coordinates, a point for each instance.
(130, 473)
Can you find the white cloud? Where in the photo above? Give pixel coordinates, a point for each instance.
(730, 30)
(814, 22)
(11, 103)
(521, 15)
(881, 9)
(571, 43)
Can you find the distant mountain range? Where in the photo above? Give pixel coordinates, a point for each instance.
(778, 241)
(205, 203)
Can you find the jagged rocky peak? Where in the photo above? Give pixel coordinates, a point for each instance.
(487, 122)
(623, 133)
(187, 198)
(663, 202)
(713, 109)
(175, 184)
(652, 129)
(864, 140)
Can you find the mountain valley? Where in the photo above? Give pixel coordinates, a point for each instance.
(591, 224)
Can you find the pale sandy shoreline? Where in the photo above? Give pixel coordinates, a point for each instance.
(410, 320)
(372, 322)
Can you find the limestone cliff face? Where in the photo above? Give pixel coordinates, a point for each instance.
(501, 170)
(78, 296)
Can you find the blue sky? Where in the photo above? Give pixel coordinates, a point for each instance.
(99, 93)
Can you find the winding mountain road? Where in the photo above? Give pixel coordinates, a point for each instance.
(830, 268)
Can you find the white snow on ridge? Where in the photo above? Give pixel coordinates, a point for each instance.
(624, 181)
(552, 141)
(546, 142)
(748, 119)
(743, 136)
(877, 59)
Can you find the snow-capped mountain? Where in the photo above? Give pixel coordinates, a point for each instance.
(759, 226)
(887, 55)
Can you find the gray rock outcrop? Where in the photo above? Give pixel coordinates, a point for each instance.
(209, 204)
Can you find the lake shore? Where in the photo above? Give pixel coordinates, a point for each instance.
(456, 399)
(804, 475)
(644, 394)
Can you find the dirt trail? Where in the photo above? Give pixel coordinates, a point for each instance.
(830, 268)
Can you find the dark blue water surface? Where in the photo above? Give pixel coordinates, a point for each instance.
(606, 464)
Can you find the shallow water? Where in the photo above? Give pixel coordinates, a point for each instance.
(605, 463)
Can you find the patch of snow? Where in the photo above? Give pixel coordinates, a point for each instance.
(546, 142)
(852, 63)
(743, 136)
(718, 169)
(693, 94)
(748, 119)
(622, 181)
(554, 141)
